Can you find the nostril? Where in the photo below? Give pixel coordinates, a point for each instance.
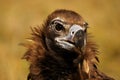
(72, 32)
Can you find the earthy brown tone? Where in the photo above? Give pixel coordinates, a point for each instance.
(51, 62)
(17, 16)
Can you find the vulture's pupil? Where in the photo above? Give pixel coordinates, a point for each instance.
(59, 27)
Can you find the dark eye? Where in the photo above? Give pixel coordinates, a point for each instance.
(59, 27)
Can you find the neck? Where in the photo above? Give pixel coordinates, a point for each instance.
(57, 69)
(63, 65)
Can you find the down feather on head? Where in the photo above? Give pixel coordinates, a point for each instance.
(61, 49)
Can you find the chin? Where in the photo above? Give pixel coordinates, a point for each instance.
(66, 45)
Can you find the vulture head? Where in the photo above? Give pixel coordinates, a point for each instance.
(65, 31)
(61, 49)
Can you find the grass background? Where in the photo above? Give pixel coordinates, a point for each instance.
(16, 17)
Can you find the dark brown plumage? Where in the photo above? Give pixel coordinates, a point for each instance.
(61, 49)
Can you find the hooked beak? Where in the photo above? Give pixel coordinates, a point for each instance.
(75, 38)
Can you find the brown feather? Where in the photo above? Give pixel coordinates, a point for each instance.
(45, 64)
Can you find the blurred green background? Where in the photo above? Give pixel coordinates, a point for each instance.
(16, 17)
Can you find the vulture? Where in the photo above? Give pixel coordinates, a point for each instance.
(62, 49)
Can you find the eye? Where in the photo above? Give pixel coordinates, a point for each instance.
(59, 27)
